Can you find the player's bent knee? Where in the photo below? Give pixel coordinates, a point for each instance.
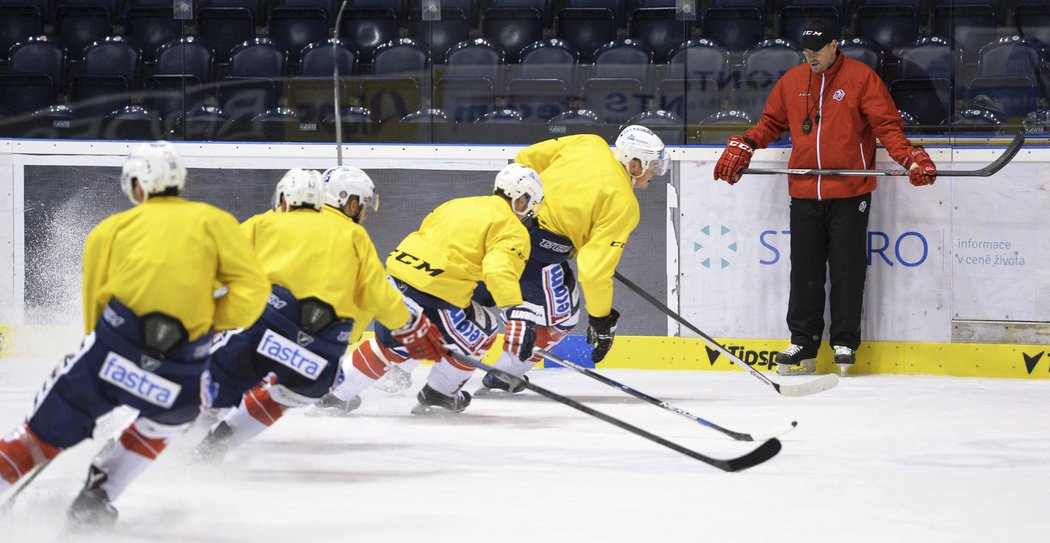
(22, 451)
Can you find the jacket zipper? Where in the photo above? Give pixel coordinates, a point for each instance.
(863, 161)
(820, 111)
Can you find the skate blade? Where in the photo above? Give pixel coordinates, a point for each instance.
(434, 411)
(485, 392)
(844, 369)
(805, 367)
(328, 412)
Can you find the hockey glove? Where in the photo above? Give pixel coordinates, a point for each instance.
(520, 335)
(735, 157)
(422, 339)
(600, 333)
(921, 169)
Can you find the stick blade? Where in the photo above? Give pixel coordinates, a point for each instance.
(764, 452)
(820, 384)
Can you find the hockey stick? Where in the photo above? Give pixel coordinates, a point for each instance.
(739, 436)
(10, 501)
(1011, 150)
(335, 86)
(764, 452)
(813, 386)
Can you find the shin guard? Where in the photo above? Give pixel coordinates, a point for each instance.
(22, 451)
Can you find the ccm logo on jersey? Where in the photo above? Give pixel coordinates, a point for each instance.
(286, 353)
(554, 246)
(124, 374)
(620, 244)
(416, 262)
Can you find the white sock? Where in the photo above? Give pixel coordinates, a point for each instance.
(121, 467)
(243, 424)
(447, 379)
(408, 366)
(354, 382)
(512, 365)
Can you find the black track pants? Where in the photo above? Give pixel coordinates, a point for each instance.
(828, 235)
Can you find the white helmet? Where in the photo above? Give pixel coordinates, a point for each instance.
(516, 181)
(300, 188)
(342, 182)
(639, 142)
(156, 166)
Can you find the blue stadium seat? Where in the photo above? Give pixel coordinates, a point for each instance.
(402, 57)
(841, 7)
(206, 123)
(397, 5)
(132, 122)
(700, 59)
(258, 58)
(368, 28)
(542, 6)
(22, 94)
(312, 98)
(618, 7)
(737, 29)
(149, 28)
(40, 55)
(660, 29)
(511, 29)
(469, 7)
(466, 99)
(537, 100)
(474, 59)
(225, 28)
(749, 95)
(576, 116)
(769, 59)
(18, 22)
(256, 7)
(891, 26)
(390, 98)
(1011, 56)
(318, 59)
(93, 96)
(974, 121)
(614, 99)
(243, 98)
(328, 6)
(929, 99)
(292, 29)
(928, 57)
(501, 116)
(1016, 95)
(77, 27)
(717, 128)
(172, 95)
(551, 59)
(275, 125)
(967, 27)
(1032, 20)
(439, 36)
(663, 123)
(586, 29)
(864, 50)
(114, 56)
(425, 116)
(625, 58)
(691, 100)
(186, 56)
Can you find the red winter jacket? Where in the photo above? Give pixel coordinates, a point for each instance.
(849, 107)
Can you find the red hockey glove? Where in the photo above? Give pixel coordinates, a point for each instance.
(422, 339)
(921, 169)
(735, 157)
(520, 335)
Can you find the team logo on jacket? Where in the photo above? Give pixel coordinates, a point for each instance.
(286, 353)
(558, 296)
(124, 374)
(863, 206)
(839, 95)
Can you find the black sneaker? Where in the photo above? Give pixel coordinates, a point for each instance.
(332, 406)
(214, 445)
(490, 381)
(845, 357)
(795, 360)
(92, 506)
(429, 398)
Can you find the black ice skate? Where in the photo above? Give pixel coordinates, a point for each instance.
(213, 447)
(92, 507)
(331, 406)
(429, 399)
(844, 358)
(494, 386)
(796, 360)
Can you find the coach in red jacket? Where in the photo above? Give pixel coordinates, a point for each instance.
(834, 108)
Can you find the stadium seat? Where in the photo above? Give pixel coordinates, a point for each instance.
(243, 98)
(206, 123)
(77, 27)
(256, 7)
(149, 27)
(328, 6)
(186, 56)
(1011, 56)
(537, 100)
(700, 59)
(390, 98)
(625, 58)
(466, 99)
(22, 94)
(225, 28)
(968, 27)
(891, 26)
(769, 59)
(841, 7)
(368, 28)
(468, 7)
(439, 36)
(717, 128)
(511, 29)
(402, 57)
(737, 29)
(357, 122)
(691, 100)
(292, 29)
(258, 58)
(864, 50)
(614, 99)
(749, 95)
(928, 57)
(425, 116)
(974, 121)
(576, 116)
(542, 6)
(585, 29)
(618, 7)
(550, 59)
(318, 60)
(660, 29)
(40, 55)
(663, 123)
(1015, 95)
(500, 116)
(94, 96)
(928, 99)
(132, 122)
(313, 98)
(172, 95)
(474, 59)
(1032, 20)
(18, 22)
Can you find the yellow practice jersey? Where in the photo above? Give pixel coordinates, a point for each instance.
(464, 241)
(166, 254)
(588, 198)
(326, 255)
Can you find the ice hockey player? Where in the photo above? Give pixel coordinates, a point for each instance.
(325, 274)
(149, 312)
(437, 268)
(590, 209)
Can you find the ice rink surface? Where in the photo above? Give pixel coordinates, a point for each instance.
(879, 458)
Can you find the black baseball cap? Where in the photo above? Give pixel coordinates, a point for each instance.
(818, 33)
